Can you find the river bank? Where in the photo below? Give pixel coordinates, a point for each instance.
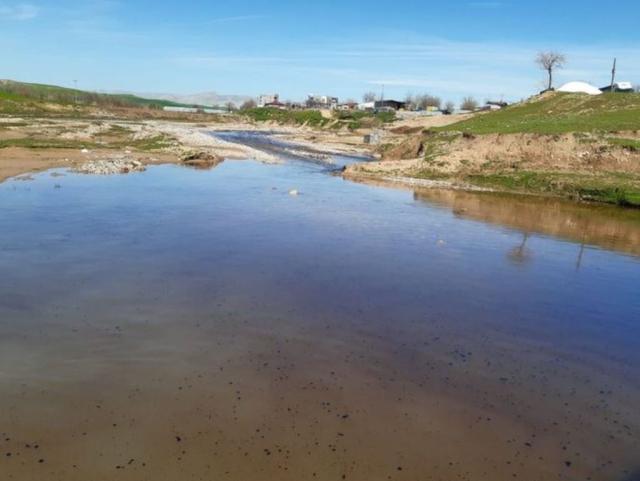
(424, 152)
(33, 145)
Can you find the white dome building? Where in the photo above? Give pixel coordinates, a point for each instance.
(580, 88)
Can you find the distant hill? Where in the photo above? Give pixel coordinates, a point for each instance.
(207, 99)
(15, 93)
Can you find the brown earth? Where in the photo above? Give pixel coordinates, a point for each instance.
(463, 154)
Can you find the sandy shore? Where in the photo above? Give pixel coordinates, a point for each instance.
(37, 145)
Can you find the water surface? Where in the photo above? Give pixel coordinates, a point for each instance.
(179, 324)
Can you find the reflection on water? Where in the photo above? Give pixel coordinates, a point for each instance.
(603, 226)
(182, 324)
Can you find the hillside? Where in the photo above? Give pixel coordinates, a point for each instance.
(578, 146)
(24, 98)
(560, 113)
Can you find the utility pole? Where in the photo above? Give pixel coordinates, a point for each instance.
(613, 74)
(75, 92)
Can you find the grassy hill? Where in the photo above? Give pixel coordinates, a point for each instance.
(574, 145)
(560, 113)
(28, 98)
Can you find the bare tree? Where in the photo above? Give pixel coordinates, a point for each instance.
(427, 101)
(410, 101)
(248, 105)
(469, 103)
(369, 97)
(550, 61)
(230, 106)
(449, 107)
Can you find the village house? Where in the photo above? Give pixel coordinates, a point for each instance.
(322, 101)
(389, 105)
(621, 87)
(265, 99)
(348, 106)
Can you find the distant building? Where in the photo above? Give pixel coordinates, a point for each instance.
(389, 105)
(183, 110)
(275, 105)
(197, 110)
(348, 106)
(322, 101)
(367, 106)
(622, 87)
(265, 99)
(496, 105)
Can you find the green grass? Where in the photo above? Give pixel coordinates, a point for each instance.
(610, 188)
(19, 97)
(299, 117)
(30, 143)
(158, 142)
(632, 145)
(559, 114)
(353, 120)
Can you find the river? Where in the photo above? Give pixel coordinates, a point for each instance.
(182, 324)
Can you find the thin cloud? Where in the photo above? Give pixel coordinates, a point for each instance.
(20, 11)
(487, 5)
(238, 18)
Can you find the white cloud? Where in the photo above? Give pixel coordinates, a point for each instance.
(20, 11)
(238, 18)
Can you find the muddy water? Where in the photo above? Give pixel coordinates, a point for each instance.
(206, 325)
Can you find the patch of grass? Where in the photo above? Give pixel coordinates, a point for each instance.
(313, 118)
(31, 143)
(352, 120)
(116, 131)
(559, 113)
(611, 188)
(632, 145)
(431, 151)
(158, 142)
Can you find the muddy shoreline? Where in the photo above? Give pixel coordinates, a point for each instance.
(562, 166)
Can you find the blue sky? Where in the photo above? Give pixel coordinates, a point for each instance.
(450, 49)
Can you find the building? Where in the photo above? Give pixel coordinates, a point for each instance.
(322, 101)
(622, 87)
(348, 106)
(389, 105)
(265, 99)
(497, 105)
(367, 106)
(275, 105)
(182, 110)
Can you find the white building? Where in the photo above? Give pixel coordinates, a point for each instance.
(322, 101)
(266, 99)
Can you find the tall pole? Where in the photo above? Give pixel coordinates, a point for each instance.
(75, 92)
(613, 74)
